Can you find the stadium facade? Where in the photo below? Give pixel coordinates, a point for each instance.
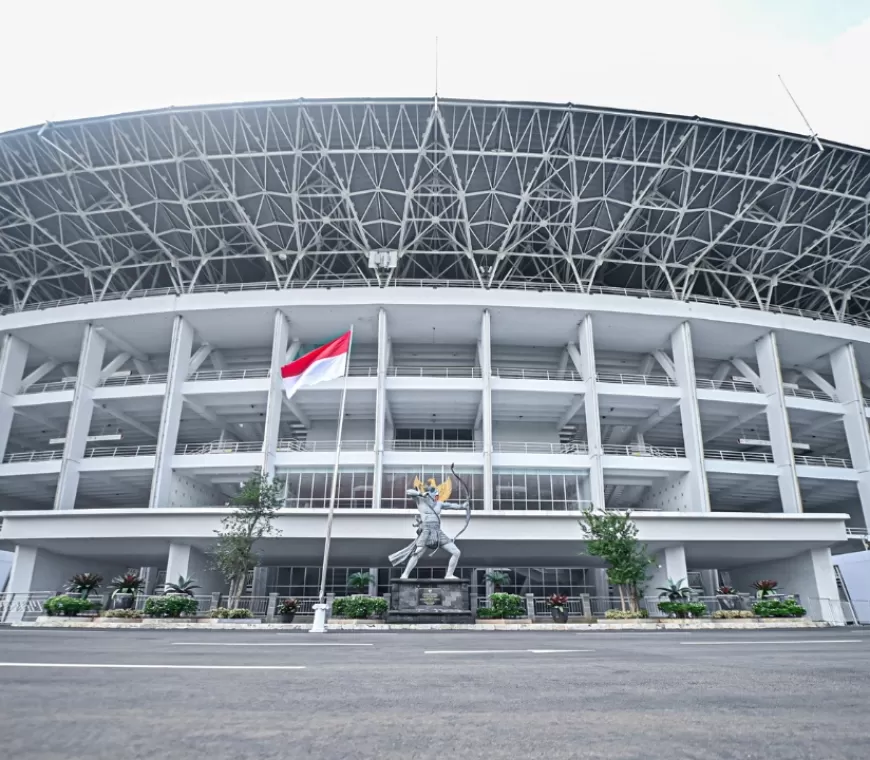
(576, 307)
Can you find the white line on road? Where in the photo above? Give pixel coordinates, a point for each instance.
(777, 642)
(146, 667)
(504, 651)
(268, 644)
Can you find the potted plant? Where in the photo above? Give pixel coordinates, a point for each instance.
(764, 588)
(558, 607)
(359, 583)
(84, 583)
(184, 586)
(728, 598)
(126, 586)
(499, 579)
(287, 610)
(675, 592)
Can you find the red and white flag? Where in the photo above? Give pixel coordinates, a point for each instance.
(329, 362)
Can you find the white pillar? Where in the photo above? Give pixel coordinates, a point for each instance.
(170, 419)
(777, 422)
(848, 383)
(485, 351)
(586, 344)
(12, 362)
(189, 562)
(275, 402)
(381, 408)
(79, 425)
(697, 496)
(669, 565)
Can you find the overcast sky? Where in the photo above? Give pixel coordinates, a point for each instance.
(714, 58)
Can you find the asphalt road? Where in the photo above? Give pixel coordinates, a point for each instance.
(237, 695)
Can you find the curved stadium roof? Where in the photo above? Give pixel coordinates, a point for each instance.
(487, 194)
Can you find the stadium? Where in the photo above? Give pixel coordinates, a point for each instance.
(577, 307)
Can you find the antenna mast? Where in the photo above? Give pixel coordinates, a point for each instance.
(813, 136)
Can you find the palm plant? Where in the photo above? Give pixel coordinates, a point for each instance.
(359, 582)
(183, 586)
(764, 588)
(675, 591)
(498, 579)
(129, 583)
(84, 583)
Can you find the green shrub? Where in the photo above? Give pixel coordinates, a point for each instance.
(123, 614)
(66, 605)
(486, 613)
(778, 608)
(508, 605)
(684, 609)
(171, 606)
(625, 614)
(359, 606)
(731, 614)
(230, 614)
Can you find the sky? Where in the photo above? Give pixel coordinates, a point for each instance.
(712, 58)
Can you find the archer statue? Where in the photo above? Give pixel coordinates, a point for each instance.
(431, 499)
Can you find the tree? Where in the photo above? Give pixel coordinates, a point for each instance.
(234, 555)
(613, 537)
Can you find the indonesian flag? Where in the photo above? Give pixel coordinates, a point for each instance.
(328, 362)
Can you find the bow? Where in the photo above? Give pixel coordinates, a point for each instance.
(467, 502)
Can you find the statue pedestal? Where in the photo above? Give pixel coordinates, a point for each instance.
(435, 600)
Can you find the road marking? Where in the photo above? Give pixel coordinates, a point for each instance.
(778, 642)
(146, 667)
(268, 644)
(504, 651)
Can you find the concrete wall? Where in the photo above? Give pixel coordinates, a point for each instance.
(5, 568)
(187, 492)
(354, 430)
(189, 562)
(524, 431)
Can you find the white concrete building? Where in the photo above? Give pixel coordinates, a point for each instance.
(576, 307)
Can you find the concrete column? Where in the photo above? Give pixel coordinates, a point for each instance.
(486, 407)
(373, 582)
(777, 422)
(381, 408)
(149, 575)
(189, 562)
(12, 362)
(669, 565)
(848, 384)
(809, 575)
(586, 344)
(170, 419)
(260, 581)
(90, 364)
(272, 423)
(696, 495)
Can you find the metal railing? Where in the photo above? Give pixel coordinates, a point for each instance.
(741, 386)
(33, 456)
(522, 373)
(220, 447)
(204, 602)
(230, 374)
(120, 451)
(434, 445)
(433, 371)
(823, 461)
(290, 444)
(576, 606)
(514, 505)
(738, 456)
(857, 532)
(629, 379)
(258, 605)
(636, 450)
(806, 393)
(57, 385)
(26, 605)
(533, 447)
(154, 377)
(430, 284)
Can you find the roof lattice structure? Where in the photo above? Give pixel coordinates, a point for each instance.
(492, 194)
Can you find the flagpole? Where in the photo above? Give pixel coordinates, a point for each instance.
(319, 625)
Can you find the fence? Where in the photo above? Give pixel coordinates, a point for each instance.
(521, 373)
(629, 379)
(25, 606)
(636, 450)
